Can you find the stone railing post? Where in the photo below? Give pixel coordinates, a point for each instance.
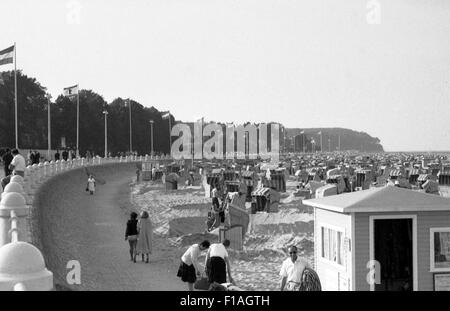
(11, 201)
(22, 267)
(46, 170)
(40, 172)
(34, 177)
(16, 186)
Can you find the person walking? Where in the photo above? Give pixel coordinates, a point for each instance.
(91, 184)
(131, 234)
(145, 239)
(189, 269)
(292, 270)
(217, 263)
(7, 158)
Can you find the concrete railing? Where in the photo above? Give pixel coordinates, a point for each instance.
(22, 265)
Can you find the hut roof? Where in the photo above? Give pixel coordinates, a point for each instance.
(384, 199)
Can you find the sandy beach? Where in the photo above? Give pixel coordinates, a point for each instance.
(179, 216)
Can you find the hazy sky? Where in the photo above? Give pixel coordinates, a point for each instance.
(316, 63)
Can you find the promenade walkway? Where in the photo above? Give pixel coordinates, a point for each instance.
(93, 233)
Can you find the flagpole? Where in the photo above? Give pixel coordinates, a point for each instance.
(303, 142)
(78, 120)
(170, 134)
(131, 145)
(321, 146)
(15, 96)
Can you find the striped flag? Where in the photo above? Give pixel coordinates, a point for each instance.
(166, 115)
(71, 90)
(7, 56)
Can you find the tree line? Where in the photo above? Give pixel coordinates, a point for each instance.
(33, 120)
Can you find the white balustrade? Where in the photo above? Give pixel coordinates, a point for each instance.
(40, 172)
(22, 267)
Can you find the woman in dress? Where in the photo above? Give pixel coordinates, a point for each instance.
(145, 229)
(189, 269)
(131, 234)
(91, 184)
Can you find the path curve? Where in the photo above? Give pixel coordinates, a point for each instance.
(69, 224)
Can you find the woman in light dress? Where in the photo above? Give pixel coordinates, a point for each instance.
(145, 239)
(91, 184)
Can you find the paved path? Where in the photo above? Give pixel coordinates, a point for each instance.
(94, 234)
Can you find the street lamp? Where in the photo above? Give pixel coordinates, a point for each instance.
(129, 106)
(49, 139)
(151, 128)
(106, 132)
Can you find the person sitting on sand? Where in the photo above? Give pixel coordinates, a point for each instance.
(292, 270)
(131, 234)
(189, 270)
(217, 263)
(145, 229)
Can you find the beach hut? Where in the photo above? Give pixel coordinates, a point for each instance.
(444, 177)
(171, 181)
(249, 179)
(386, 238)
(230, 175)
(265, 200)
(214, 177)
(413, 175)
(313, 174)
(363, 178)
(234, 186)
(147, 171)
(394, 174)
(276, 179)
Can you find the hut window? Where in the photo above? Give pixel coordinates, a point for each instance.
(440, 249)
(332, 245)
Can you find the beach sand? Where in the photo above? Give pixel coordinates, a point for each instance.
(180, 215)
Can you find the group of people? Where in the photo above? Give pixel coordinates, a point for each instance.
(295, 274)
(217, 264)
(14, 164)
(66, 154)
(34, 157)
(139, 234)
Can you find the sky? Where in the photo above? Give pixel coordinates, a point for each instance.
(378, 66)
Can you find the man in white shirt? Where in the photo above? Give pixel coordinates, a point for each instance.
(189, 269)
(217, 263)
(18, 163)
(292, 270)
(17, 166)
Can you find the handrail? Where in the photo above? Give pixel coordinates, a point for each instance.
(13, 214)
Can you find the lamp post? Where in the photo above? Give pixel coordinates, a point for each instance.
(106, 132)
(129, 106)
(49, 137)
(151, 130)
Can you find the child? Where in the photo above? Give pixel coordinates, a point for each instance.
(91, 184)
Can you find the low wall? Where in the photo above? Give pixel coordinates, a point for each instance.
(55, 205)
